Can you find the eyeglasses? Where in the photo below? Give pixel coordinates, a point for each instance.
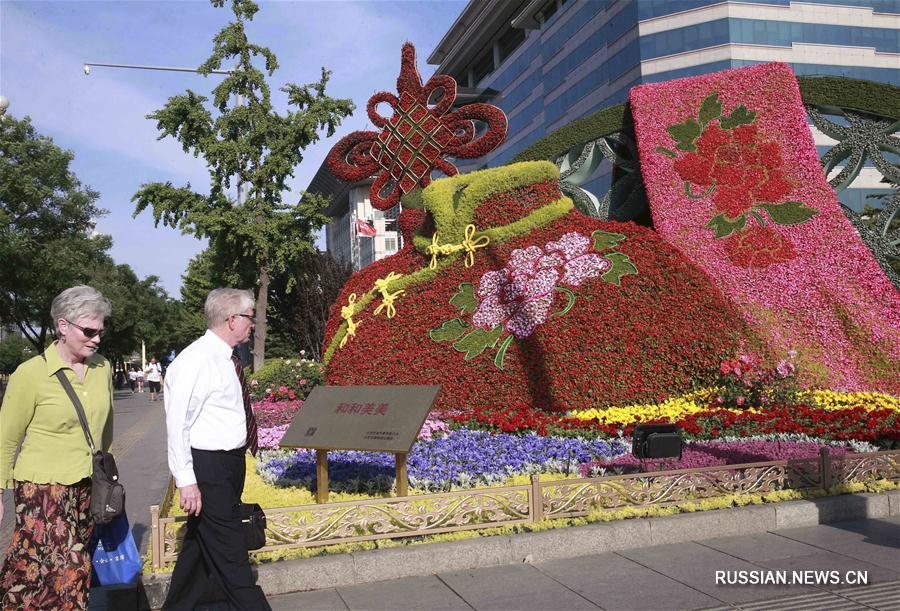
(248, 317)
(88, 332)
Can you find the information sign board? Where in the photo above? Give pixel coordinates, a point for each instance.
(374, 418)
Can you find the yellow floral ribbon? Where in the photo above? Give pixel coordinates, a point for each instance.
(468, 244)
(347, 314)
(387, 299)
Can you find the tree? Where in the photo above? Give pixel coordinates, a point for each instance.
(14, 350)
(47, 220)
(259, 146)
(142, 311)
(299, 315)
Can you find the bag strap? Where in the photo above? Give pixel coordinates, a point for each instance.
(78, 407)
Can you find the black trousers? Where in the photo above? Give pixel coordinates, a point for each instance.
(213, 557)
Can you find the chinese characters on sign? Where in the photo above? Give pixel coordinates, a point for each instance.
(368, 409)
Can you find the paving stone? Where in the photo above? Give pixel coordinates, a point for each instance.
(759, 546)
(696, 566)
(410, 593)
(824, 562)
(614, 582)
(521, 587)
(873, 541)
(320, 600)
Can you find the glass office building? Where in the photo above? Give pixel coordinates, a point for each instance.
(547, 63)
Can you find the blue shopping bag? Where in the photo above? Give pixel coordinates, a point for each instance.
(116, 559)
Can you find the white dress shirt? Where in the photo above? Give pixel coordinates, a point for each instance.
(204, 405)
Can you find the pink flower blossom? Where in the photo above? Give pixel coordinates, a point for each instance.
(520, 295)
(254, 382)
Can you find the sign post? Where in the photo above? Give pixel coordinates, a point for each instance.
(367, 418)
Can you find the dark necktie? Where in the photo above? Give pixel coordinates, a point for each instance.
(252, 437)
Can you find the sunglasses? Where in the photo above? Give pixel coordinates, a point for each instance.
(88, 332)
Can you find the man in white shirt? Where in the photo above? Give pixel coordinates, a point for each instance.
(210, 427)
(154, 377)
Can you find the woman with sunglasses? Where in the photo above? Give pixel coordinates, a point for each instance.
(48, 565)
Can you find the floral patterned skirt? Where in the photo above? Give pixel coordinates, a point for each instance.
(48, 565)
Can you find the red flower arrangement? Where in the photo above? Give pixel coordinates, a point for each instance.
(653, 334)
(744, 176)
(417, 138)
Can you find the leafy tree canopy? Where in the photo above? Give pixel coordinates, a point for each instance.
(47, 219)
(255, 144)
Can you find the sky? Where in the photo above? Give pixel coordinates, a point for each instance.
(101, 117)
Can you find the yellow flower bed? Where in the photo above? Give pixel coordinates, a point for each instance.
(678, 407)
(832, 400)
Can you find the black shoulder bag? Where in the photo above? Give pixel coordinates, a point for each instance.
(107, 494)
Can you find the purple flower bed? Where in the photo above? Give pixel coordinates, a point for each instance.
(714, 453)
(277, 413)
(462, 459)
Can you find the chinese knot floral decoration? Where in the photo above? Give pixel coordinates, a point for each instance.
(417, 138)
(731, 162)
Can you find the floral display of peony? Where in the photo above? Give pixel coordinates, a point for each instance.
(734, 181)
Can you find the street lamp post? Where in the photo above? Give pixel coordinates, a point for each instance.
(238, 99)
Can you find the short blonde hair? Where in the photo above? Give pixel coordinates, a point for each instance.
(222, 303)
(79, 302)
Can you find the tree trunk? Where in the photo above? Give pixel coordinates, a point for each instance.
(259, 333)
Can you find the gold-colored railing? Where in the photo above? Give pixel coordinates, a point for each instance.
(429, 514)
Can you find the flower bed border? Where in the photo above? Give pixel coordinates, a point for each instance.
(420, 515)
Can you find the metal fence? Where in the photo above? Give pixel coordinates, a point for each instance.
(429, 514)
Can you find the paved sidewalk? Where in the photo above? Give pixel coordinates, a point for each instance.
(677, 576)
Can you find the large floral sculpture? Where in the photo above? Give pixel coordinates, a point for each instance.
(506, 296)
(417, 137)
(734, 182)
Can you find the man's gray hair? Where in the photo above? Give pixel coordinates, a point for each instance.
(79, 302)
(222, 303)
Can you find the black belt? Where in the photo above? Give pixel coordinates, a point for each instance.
(234, 452)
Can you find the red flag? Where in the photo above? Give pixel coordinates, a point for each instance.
(364, 228)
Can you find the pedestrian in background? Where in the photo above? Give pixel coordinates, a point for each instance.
(132, 378)
(140, 379)
(210, 427)
(48, 565)
(154, 378)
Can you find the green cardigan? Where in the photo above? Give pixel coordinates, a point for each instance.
(36, 405)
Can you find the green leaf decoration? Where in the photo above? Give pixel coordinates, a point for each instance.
(450, 331)
(604, 240)
(738, 116)
(667, 152)
(621, 266)
(710, 109)
(690, 193)
(501, 353)
(725, 226)
(478, 340)
(685, 134)
(789, 213)
(465, 299)
(569, 302)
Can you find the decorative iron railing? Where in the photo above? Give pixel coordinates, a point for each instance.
(430, 514)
